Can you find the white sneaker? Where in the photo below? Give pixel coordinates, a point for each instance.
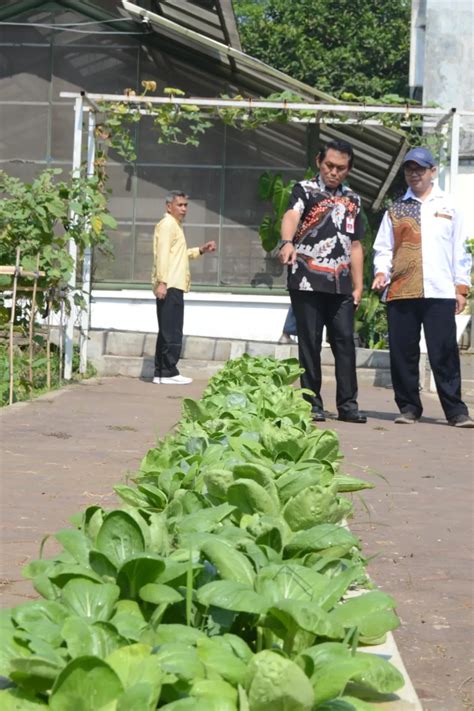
(175, 380)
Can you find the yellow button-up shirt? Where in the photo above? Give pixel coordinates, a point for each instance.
(171, 255)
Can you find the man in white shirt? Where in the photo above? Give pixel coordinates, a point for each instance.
(422, 262)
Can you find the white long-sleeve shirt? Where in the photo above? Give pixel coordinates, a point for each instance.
(421, 247)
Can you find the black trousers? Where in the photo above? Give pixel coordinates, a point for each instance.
(170, 312)
(405, 318)
(314, 310)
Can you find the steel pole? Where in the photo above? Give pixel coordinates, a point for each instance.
(87, 260)
(454, 158)
(76, 171)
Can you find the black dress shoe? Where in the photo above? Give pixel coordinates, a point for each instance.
(356, 417)
(318, 416)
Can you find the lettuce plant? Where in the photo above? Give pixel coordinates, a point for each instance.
(226, 581)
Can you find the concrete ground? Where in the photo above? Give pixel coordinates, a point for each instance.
(66, 450)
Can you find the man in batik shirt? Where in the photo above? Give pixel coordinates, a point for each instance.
(320, 242)
(422, 261)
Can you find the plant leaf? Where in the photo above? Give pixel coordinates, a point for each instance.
(85, 639)
(86, 682)
(136, 664)
(219, 659)
(334, 666)
(277, 683)
(230, 563)
(372, 614)
(137, 572)
(90, 600)
(158, 594)
(120, 537)
(34, 673)
(249, 497)
(231, 596)
(19, 700)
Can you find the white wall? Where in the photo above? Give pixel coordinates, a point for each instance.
(448, 61)
(464, 193)
(246, 317)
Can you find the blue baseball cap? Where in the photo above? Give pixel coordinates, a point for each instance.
(422, 156)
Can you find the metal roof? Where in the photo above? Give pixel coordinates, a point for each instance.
(211, 18)
(378, 151)
(225, 58)
(214, 19)
(204, 34)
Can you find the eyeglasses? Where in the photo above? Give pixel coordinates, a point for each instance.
(418, 170)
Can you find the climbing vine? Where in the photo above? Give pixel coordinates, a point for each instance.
(185, 124)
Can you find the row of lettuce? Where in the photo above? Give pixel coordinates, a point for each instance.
(224, 583)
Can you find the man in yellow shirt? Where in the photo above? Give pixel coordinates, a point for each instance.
(170, 279)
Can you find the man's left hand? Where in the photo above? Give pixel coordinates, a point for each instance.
(357, 296)
(460, 303)
(208, 247)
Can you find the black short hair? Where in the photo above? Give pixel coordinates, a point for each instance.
(173, 194)
(341, 146)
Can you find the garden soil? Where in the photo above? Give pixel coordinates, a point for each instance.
(66, 450)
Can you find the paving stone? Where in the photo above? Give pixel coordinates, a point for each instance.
(125, 343)
(96, 344)
(255, 348)
(282, 351)
(238, 348)
(223, 350)
(327, 357)
(150, 344)
(369, 358)
(198, 348)
(372, 365)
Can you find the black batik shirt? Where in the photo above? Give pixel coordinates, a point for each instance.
(329, 223)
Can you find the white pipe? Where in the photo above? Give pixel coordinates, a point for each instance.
(444, 131)
(251, 104)
(343, 121)
(454, 158)
(76, 171)
(86, 264)
(316, 120)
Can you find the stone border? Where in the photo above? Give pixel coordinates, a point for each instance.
(131, 354)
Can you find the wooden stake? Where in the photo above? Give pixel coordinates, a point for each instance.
(32, 321)
(12, 319)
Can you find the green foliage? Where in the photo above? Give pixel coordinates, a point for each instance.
(250, 118)
(356, 46)
(41, 218)
(371, 320)
(199, 599)
(271, 188)
(23, 389)
(370, 323)
(173, 123)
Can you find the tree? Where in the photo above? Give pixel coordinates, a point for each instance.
(358, 47)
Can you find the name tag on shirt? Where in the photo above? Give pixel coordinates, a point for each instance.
(444, 215)
(350, 226)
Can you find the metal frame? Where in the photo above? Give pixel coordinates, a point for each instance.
(76, 168)
(87, 103)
